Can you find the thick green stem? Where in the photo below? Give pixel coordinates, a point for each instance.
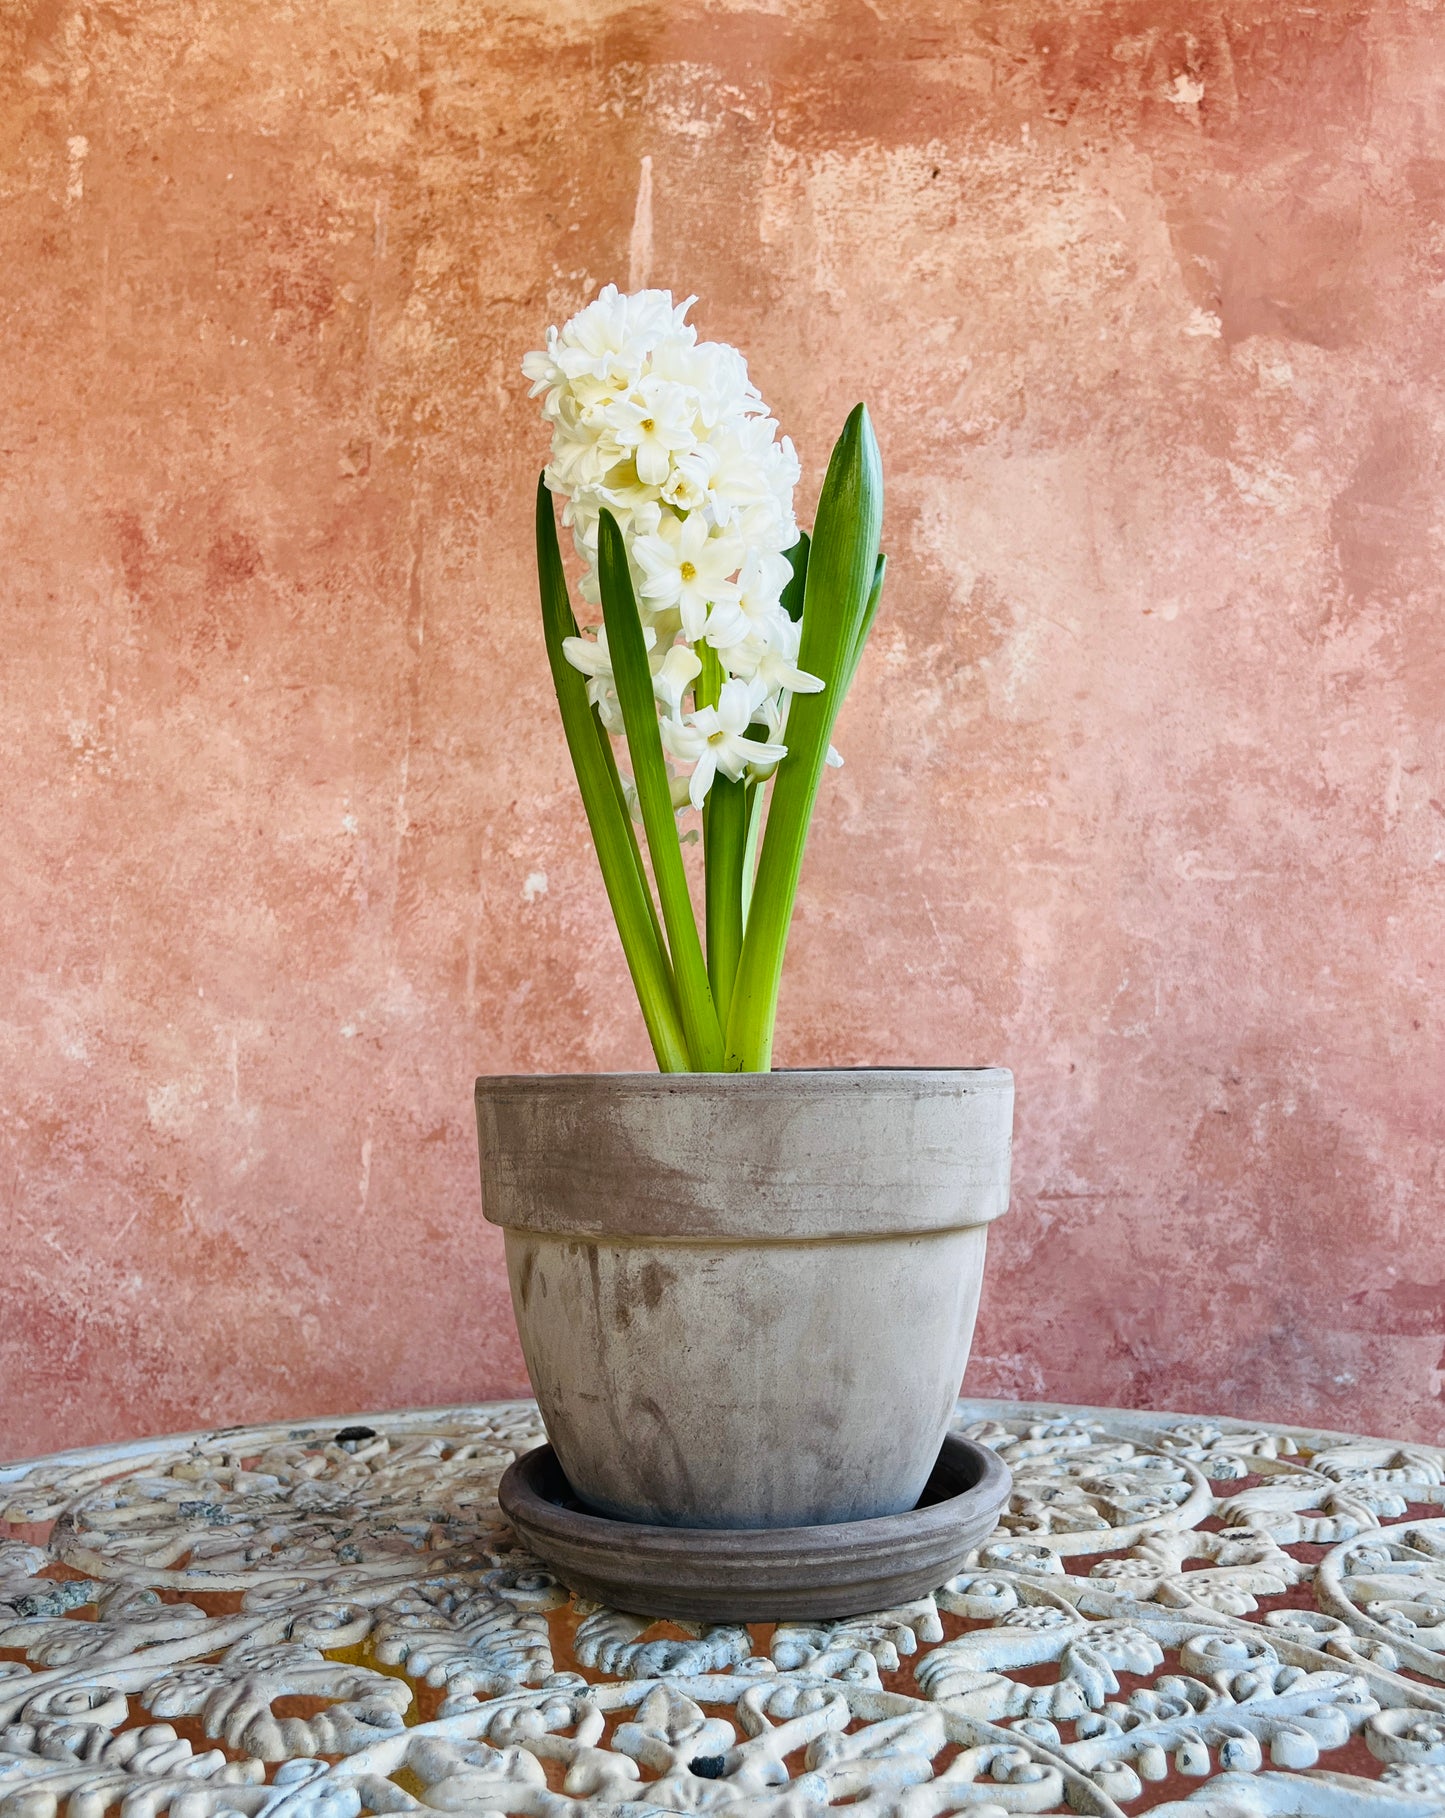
(724, 840)
(750, 848)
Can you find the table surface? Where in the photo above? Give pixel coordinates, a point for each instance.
(1178, 1615)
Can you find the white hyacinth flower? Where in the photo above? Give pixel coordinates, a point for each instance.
(755, 603)
(670, 435)
(591, 657)
(655, 421)
(688, 567)
(714, 739)
(673, 676)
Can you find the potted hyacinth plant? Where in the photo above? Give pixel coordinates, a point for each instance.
(745, 1298)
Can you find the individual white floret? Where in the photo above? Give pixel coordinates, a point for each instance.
(687, 566)
(714, 739)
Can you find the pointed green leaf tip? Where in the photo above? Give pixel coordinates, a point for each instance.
(841, 570)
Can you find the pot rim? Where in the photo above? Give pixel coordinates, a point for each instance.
(746, 1157)
(802, 1079)
(898, 1535)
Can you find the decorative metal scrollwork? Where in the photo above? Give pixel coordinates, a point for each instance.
(1195, 1619)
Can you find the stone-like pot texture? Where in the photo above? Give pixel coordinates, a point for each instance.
(746, 1300)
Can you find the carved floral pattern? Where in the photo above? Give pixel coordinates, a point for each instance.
(1199, 1619)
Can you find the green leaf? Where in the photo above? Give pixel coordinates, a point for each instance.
(870, 612)
(756, 798)
(632, 676)
(792, 597)
(840, 574)
(609, 760)
(602, 800)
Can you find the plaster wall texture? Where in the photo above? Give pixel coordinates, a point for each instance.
(1145, 790)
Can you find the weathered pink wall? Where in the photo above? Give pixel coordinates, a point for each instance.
(1144, 793)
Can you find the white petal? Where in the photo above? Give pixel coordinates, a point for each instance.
(694, 615)
(735, 707)
(652, 463)
(680, 739)
(701, 780)
(587, 655)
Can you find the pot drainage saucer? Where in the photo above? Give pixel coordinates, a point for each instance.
(845, 1568)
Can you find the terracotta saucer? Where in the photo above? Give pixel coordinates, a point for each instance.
(846, 1568)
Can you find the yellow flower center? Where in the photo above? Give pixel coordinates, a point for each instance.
(688, 572)
(648, 424)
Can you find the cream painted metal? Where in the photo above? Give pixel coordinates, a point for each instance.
(1201, 1618)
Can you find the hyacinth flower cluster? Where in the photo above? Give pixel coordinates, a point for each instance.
(726, 644)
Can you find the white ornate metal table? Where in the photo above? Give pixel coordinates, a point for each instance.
(316, 1620)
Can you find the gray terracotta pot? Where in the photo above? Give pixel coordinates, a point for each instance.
(746, 1300)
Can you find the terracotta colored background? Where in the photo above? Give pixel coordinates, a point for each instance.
(1144, 793)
